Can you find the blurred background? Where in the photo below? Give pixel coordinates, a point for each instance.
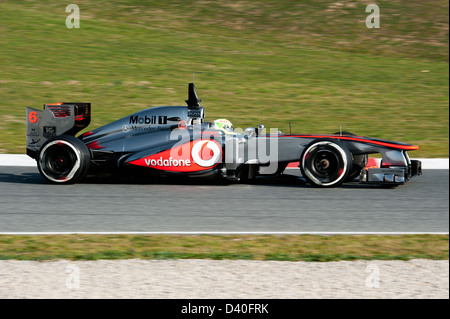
(312, 63)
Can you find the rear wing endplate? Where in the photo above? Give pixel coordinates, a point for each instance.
(53, 120)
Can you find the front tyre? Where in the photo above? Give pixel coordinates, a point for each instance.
(326, 163)
(63, 159)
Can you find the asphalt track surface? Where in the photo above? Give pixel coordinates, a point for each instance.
(28, 205)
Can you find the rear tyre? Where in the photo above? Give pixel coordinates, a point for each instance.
(326, 163)
(64, 159)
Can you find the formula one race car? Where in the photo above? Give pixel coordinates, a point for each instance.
(175, 140)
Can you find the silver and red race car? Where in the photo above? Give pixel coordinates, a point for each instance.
(176, 141)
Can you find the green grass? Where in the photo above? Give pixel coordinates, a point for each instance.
(233, 247)
(311, 63)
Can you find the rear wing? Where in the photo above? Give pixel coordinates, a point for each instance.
(55, 119)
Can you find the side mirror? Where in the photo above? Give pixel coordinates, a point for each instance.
(250, 131)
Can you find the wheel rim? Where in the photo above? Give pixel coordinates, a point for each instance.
(325, 163)
(59, 161)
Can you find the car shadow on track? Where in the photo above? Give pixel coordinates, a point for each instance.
(299, 182)
(23, 178)
(284, 180)
(259, 182)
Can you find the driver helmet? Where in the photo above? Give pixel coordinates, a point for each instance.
(223, 125)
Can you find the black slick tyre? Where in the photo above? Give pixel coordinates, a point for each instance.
(63, 160)
(359, 161)
(326, 163)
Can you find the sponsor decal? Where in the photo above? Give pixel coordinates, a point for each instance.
(195, 113)
(200, 151)
(33, 132)
(143, 129)
(154, 119)
(49, 131)
(182, 125)
(198, 155)
(34, 142)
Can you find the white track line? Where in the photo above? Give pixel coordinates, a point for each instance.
(223, 233)
(24, 160)
(16, 160)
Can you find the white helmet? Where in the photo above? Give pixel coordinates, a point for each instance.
(223, 125)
